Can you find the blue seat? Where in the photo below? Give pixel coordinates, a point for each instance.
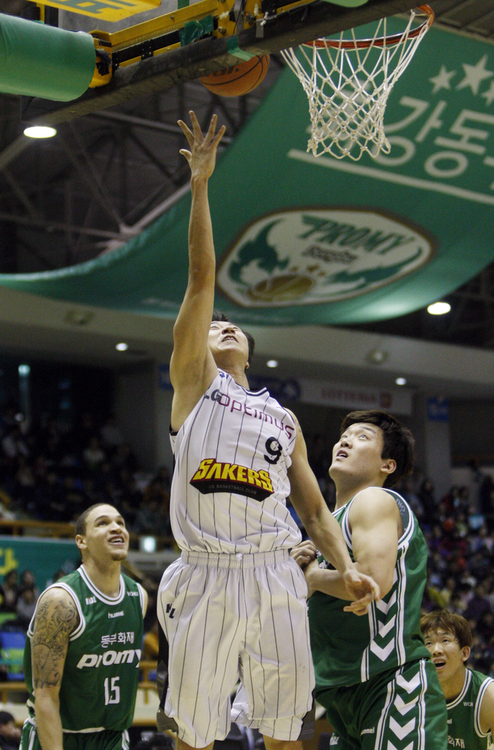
(12, 645)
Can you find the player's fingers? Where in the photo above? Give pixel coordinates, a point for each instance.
(219, 136)
(186, 131)
(185, 153)
(302, 545)
(212, 128)
(195, 126)
(307, 545)
(300, 557)
(358, 612)
(376, 591)
(359, 607)
(304, 557)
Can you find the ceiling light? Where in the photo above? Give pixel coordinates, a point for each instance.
(439, 308)
(122, 346)
(147, 544)
(40, 131)
(401, 381)
(272, 363)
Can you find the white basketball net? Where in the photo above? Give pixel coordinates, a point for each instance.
(348, 81)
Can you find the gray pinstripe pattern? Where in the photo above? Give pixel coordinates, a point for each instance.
(232, 428)
(236, 616)
(234, 606)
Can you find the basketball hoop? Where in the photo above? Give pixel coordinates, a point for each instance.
(348, 81)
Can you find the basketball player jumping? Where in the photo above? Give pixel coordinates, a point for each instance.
(233, 606)
(84, 645)
(373, 674)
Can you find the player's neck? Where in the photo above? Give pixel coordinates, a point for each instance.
(230, 362)
(238, 374)
(106, 577)
(453, 687)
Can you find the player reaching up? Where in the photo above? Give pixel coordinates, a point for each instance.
(234, 605)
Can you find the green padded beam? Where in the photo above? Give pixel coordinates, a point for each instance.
(44, 61)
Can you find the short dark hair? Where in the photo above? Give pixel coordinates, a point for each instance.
(443, 619)
(398, 442)
(81, 523)
(222, 318)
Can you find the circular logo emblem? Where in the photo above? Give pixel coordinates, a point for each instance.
(311, 256)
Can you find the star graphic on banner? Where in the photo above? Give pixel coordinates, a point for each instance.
(442, 80)
(489, 95)
(474, 75)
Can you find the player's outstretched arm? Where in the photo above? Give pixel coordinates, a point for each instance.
(324, 530)
(192, 367)
(487, 710)
(56, 618)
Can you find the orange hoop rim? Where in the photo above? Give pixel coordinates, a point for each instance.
(381, 41)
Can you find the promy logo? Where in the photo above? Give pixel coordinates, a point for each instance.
(310, 256)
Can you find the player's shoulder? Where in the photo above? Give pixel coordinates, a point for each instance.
(486, 712)
(375, 501)
(57, 593)
(128, 580)
(136, 590)
(56, 604)
(487, 686)
(374, 495)
(295, 420)
(131, 584)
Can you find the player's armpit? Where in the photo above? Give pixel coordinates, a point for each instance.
(56, 618)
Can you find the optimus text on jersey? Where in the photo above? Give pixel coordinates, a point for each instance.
(233, 405)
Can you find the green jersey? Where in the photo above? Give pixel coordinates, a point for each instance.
(348, 649)
(101, 671)
(464, 714)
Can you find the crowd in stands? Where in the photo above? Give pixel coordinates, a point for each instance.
(459, 529)
(18, 597)
(50, 473)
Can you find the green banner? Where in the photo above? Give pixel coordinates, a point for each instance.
(305, 240)
(44, 557)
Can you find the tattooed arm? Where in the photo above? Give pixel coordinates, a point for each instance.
(56, 618)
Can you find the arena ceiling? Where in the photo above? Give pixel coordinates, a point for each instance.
(110, 173)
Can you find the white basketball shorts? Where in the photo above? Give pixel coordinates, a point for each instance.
(229, 618)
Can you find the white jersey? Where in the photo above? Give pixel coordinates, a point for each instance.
(230, 481)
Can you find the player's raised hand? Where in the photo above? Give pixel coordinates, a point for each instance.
(202, 154)
(363, 590)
